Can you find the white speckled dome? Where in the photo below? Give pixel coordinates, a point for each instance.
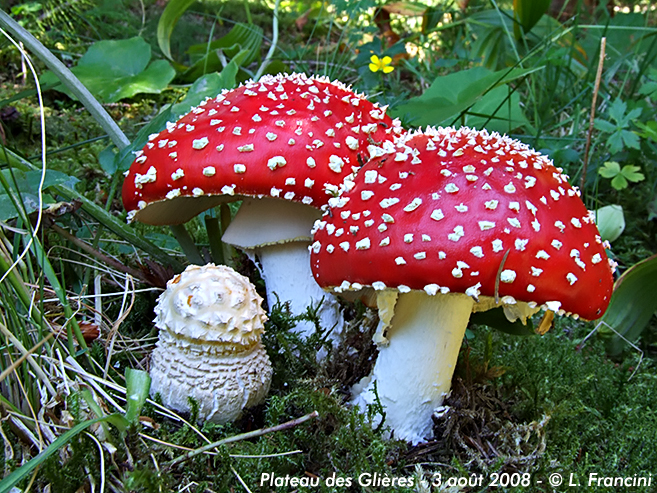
(211, 303)
(209, 348)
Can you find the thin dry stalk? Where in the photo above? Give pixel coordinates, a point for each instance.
(123, 313)
(43, 378)
(596, 89)
(244, 436)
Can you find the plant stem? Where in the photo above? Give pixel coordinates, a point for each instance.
(213, 228)
(69, 79)
(274, 42)
(187, 244)
(243, 436)
(596, 89)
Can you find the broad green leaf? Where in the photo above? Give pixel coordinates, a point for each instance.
(615, 142)
(27, 183)
(609, 169)
(498, 111)
(496, 319)
(649, 89)
(168, 20)
(207, 86)
(527, 13)
(619, 182)
(610, 221)
(632, 304)
(118, 69)
(648, 129)
(617, 110)
(604, 126)
(450, 95)
(107, 160)
(630, 139)
(244, 40)
(634, 114)
(631, 173)
(156, 125)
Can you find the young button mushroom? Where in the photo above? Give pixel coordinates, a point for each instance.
(285, 138)
(209, 348)
(456, 221)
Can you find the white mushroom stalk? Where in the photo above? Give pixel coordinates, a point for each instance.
(209, 347)
(275, 234)
(424, 339)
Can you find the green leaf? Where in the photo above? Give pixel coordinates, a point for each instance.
(527, 13)
(499, 110)
(617, 110)
(107, 160)
(115, 70)
(242, 43)
(610, 169)
(604, 126)
(648, 130)
(619, 182)
(156, 125)
(615, 142)
(27, 183)
(649, 89)
(496, 319)
(634, 114)
(168, 20)
(137, 385)
(630, 139)
(450, 95)
(207, 86)
(610, 221)
(631, 173)
(632, 304)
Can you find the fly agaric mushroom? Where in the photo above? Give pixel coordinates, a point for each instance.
(289, 137)
(209, 347)
(456, 221)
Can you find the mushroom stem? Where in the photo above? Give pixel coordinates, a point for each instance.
(287, 276)
(413, 372)
(277, 232)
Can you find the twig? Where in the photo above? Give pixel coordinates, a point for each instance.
(274, 42)
(243, 436)
(596, 88)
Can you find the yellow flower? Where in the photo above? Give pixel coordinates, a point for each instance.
(382, 64)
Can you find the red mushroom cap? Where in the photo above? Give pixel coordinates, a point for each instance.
(442, 214)
(288, 136)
